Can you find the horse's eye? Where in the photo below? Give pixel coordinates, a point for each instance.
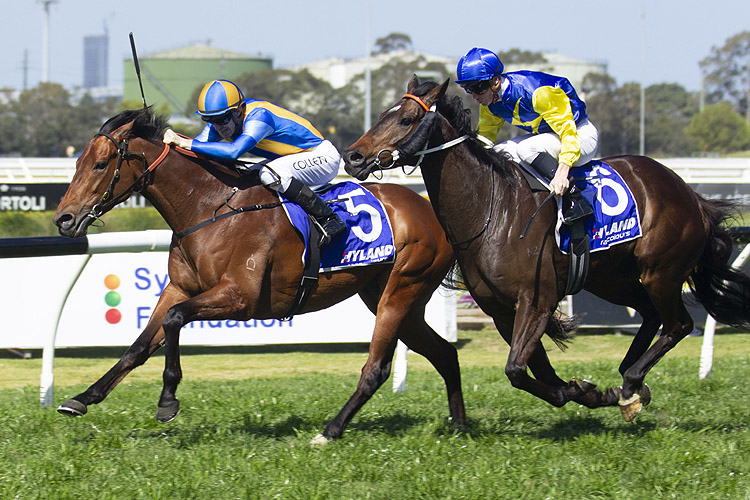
(405, 122)
(100, 165)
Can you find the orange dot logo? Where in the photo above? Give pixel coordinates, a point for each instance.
(111, 281)
(112, 298)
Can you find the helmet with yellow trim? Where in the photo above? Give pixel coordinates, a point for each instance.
(478, 64)
(218, 97)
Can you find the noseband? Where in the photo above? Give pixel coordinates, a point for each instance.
(138, 185)
(424, 128)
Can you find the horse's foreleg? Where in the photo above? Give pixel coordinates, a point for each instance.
(147, 343)
(220, 302)
(528, 328)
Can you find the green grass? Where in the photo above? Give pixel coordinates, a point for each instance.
(245, 436)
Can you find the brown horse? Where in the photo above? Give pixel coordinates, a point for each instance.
(208, 271)
(484, 204)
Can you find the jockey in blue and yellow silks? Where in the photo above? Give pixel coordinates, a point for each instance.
(559, 133)
(299, 155)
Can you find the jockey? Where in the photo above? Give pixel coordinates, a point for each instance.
(299, 155)
(559, 133)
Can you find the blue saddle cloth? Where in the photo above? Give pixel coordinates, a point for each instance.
(615, 219)
(369, 236)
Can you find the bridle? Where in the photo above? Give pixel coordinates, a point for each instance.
(138, 185)
(395, 156)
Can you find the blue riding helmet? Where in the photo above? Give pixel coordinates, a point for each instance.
(218, 97)
(478, 64)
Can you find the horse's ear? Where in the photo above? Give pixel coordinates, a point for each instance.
(413, 83)
(437, 93)
(123, 131)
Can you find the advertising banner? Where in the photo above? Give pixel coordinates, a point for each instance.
(114, 295)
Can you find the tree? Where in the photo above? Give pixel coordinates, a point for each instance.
(727, 73)
(616, 113)
(669, 108)
(518, 56)
(719, 129)
(392, 42)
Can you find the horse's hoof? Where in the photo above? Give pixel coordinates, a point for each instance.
(631, 407)
(645, 393)
(320, 440)
(167, 413)
(73, 408)
(584, 385)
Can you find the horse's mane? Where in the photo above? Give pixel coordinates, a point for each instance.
(147, 124)
(459, 117)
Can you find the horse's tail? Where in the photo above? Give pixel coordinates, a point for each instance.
(560, 329)
(723, 291)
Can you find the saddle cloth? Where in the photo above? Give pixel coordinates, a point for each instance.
(369, 236)
(615, 219)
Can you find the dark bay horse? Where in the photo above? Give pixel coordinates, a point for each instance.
(210, 278)
(484, 205)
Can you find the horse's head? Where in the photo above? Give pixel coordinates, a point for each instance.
(399, 133)
(103, 176)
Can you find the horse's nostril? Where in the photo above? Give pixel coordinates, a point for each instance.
(354, 157)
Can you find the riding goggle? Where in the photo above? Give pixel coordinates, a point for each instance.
(219, 120)
(478, 87)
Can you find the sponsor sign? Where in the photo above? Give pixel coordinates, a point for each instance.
(115, 294)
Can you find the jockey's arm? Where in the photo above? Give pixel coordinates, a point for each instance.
(254, 131)
(554, 107)
(489, 124)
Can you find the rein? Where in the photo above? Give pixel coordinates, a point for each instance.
(123, 155)
(395, 156)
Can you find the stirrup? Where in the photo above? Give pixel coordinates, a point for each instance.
(332, 227)
(579, 209)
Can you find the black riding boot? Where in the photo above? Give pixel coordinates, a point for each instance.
(575, 205)
(314, 205)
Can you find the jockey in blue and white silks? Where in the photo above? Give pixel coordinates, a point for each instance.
(558, 135)
(298, 154)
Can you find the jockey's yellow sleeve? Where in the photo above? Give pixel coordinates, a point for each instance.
(537, 103)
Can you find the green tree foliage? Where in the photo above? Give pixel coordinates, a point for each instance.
(392, 42)
(727, 73)
(44, 121)
(719, 129)
(616, 113)
(669, 108)
(518, 56)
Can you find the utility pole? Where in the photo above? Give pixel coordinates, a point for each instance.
(642, 137)
(368, 87)
(45, 39)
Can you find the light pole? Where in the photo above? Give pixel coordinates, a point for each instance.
(45, 39)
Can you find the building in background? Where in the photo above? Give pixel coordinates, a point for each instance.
(339, 72)
(171, 78)
(95, 61)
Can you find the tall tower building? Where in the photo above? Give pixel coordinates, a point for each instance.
(95, 67)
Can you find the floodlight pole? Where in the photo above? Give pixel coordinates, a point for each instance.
(45, 39)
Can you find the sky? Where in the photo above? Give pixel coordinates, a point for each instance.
(654, 41)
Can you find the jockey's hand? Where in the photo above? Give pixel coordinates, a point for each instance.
(170, 137)
(560, 183)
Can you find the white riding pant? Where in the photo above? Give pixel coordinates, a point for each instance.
(313, 168)
(525, 148)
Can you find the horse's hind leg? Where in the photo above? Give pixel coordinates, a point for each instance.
(422, 339)
(137, 354)
(678, 324)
